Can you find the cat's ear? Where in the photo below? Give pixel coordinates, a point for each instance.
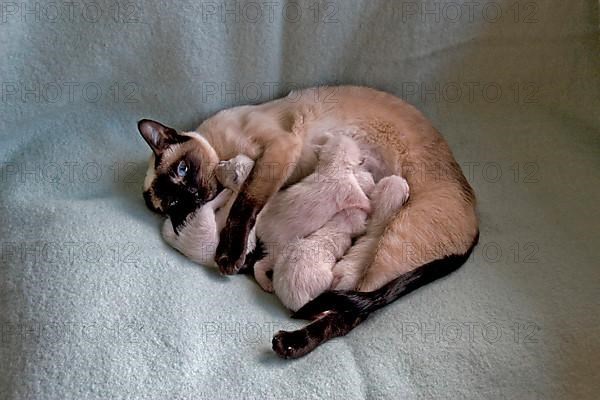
(158, 136)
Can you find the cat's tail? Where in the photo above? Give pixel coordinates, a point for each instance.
(335, 313)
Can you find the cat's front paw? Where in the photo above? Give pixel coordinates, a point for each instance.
(228, 265)
(231, 251)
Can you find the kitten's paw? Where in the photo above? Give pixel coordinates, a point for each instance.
(232, 173)
(291, 344)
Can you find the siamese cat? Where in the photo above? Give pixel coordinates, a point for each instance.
(198, 236)
(429, 237)
(305, 207)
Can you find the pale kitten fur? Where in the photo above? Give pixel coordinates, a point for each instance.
(387, 198)
(303, 208)
(304, 269)
(310, 266)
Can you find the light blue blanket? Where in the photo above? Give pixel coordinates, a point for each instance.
(94, 305)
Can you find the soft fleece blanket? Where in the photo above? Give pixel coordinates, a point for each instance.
(94, 305)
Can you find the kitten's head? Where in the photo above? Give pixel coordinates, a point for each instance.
(180, 176)
(340, 152)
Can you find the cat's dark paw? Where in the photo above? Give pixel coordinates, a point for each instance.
(291, 344)
(231, 251)
(233, 239)
(229, 266)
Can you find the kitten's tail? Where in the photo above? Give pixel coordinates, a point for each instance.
(338, 312)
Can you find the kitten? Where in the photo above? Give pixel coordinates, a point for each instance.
(310, 266)
(304, 269)
(198, 237)
(303, 208)
(387, 198)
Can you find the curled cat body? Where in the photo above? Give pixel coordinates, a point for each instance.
(439, 222)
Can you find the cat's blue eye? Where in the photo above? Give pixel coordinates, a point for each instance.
(182, 169)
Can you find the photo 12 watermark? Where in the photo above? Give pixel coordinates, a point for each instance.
(467, 332)
(266, 12)
(59, 253)
(14, 92)
(516, 252)
(243, 332)
(254, 92)
(469, 92)
(476, 172)
(72, 172)
(50, 332)
(461, 12)
(60, 12)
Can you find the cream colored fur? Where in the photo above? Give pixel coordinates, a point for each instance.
(304, 269)
(305, 207)
(307, 265)
(387, 198)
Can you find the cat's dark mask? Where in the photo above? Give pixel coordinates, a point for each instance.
(180, 176)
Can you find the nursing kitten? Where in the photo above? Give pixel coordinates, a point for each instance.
(311, 264)
(304, 269)
(439, 222)
(197, 238)
(387, 198)
(303, 208)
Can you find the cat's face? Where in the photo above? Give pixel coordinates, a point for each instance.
(180, 176)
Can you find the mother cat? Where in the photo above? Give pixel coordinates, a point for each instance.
(432, 234)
